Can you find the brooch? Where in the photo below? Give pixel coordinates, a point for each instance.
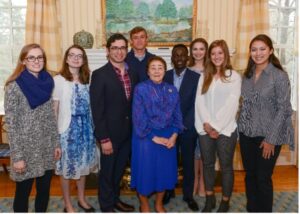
(170, 90)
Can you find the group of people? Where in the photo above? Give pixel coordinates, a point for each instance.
(138, 112)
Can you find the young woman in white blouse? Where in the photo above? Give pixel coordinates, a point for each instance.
(217, 103)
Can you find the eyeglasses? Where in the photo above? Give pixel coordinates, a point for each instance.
(74, 56)
(115, 48)
(33, 59)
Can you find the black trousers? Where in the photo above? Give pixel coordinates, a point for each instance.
(258, 180)
(110, 175)
(186, 144)
(23, 190)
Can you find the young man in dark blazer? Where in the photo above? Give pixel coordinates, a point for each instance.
(111, 92)
(186, 82)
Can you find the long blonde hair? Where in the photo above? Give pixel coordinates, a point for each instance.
(20, 66)
(210, 68)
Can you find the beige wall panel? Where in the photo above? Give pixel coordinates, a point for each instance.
(216, 19)
(90, 9)
(79, 15)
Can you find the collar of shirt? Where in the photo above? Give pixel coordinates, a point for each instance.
(181, 75)
(140, 58)
(131, 52)
(178, 78)
(118, 71)
(267, 70)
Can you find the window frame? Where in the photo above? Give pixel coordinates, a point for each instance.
(293, 74)
(12, 49)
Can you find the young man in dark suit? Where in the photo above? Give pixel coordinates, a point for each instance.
(186, 82)
(111, 95)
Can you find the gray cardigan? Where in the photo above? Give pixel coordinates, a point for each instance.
(32, 133)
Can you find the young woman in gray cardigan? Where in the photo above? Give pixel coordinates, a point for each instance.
(31, 128)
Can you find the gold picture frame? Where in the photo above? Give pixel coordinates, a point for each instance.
(164, 26)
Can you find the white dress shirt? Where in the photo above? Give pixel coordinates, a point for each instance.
(219, 105)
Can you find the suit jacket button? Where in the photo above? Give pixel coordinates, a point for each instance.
(126, 117)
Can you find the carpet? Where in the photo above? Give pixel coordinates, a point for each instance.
(284, 202)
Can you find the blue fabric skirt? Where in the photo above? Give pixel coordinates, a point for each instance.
(153, 166)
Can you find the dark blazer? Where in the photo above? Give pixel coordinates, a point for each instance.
(110, 108)
(187, 95)
(137, 66)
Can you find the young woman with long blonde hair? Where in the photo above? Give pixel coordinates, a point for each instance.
(217, 102)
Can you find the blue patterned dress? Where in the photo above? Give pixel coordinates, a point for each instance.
(156, 112)
(77, 142)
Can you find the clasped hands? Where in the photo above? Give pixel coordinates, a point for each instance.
(107, 148)
(210, 131)
(167, 142)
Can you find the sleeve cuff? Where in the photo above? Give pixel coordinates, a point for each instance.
(214, 126)
(151, 135)
(175, 130)
(269, 139)
(103, 141)
(15, 157)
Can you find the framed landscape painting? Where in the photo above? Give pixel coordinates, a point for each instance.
(167, 21)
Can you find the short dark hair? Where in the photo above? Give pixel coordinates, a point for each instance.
(137, 29)
(156, 58)
(114, 37)
(180, 46)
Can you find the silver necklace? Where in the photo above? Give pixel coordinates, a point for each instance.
(157, 93)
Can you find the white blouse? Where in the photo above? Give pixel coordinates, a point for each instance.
(63, 93)
(219, 105)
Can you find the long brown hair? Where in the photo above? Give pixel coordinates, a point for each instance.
(272, 58)
(20, 66)
(210, 68)
(84, 71)
(191, 58)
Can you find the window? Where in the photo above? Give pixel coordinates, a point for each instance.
(283, 14)
(12, 34)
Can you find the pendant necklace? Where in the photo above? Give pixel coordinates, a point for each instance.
(157, 95)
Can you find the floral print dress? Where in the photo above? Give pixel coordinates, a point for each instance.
(77, 142)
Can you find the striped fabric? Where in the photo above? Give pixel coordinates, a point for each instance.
(253, 20)
(266, 108)
(43, 27)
